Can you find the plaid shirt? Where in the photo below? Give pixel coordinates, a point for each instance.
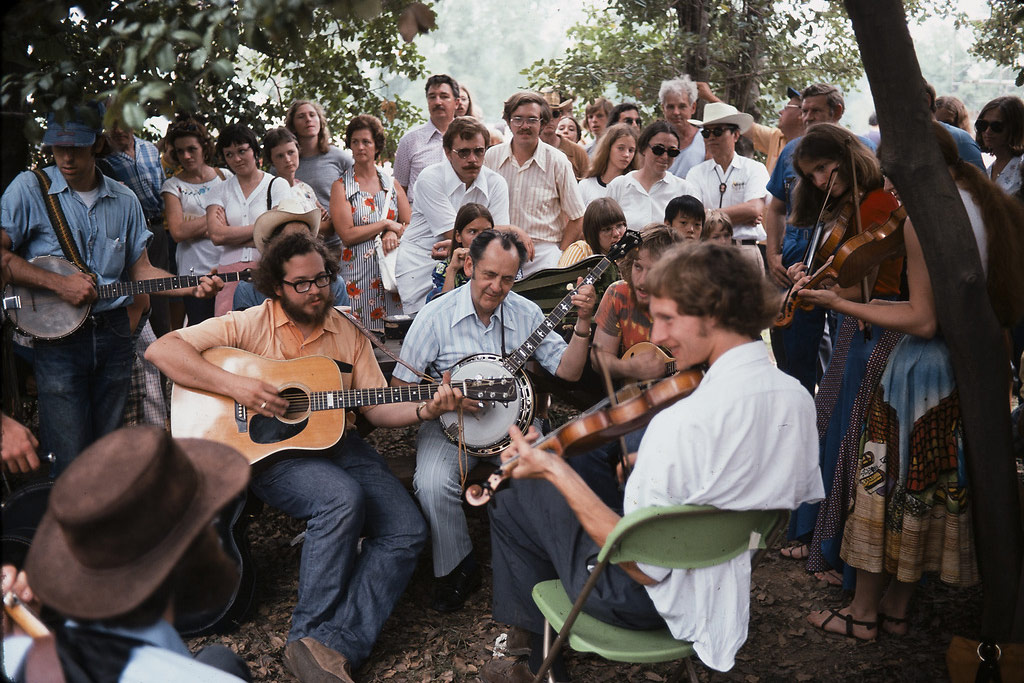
(144, 175)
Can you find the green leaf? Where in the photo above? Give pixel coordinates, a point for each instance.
(165, 59)
(133, 115)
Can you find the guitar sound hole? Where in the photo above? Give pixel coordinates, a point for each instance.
(264, 429)
(298, 402)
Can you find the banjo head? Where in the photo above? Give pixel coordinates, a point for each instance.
(43, 314)
(485, 433)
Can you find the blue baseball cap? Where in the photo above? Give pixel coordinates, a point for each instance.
(792, 92)
(72, 133)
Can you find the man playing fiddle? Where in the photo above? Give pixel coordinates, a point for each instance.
(745, 439)
(482, 316)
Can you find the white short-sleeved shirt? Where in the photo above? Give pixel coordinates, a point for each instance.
(642, 207)
(744, 440)
(242, 210)
(442, 193)
(745, 179)
(591, 188)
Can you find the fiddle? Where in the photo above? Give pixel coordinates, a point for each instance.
(601, 424)
(856, 256)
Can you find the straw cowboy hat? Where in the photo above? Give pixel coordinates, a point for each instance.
(123, 514)
(294, 207)
(722, 114)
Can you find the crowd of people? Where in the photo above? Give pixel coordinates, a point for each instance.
(290, 246)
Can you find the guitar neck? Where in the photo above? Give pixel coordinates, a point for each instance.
(518, 358)
(356, 398)
(119, 289)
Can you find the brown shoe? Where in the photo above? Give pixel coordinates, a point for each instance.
(518, 642)
(313, 662)
(506, 670)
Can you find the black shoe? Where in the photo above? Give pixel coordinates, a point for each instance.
(451, 591)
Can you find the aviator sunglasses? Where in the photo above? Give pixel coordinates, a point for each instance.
(981, 125)
(658, 150)
(717, 132)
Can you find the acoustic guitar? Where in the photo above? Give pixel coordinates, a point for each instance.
(312, 387)
(42, 314)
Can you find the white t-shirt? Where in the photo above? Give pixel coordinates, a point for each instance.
(642, 207)
(199, 256)
(591, 189)
(744, 440)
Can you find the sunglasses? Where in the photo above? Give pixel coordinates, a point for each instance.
(981, 125)
(465, 152)
(717, 132)
(658, 150)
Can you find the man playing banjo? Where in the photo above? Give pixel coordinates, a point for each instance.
(484, 316)
(83, 377)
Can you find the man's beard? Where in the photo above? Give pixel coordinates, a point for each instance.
(299, 315)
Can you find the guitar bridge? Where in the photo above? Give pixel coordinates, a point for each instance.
(241, 418)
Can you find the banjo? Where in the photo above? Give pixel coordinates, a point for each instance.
(42, 314)
(485, 432)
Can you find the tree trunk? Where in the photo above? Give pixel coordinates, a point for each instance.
(912, 159)
(693, 19)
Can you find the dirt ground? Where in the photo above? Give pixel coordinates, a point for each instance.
(421, 645)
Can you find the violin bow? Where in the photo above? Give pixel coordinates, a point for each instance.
(865, 287)
(614, 401)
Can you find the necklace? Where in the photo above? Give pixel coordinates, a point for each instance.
(723, 183)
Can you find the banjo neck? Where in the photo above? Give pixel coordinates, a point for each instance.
(119, 289)
(515, 360)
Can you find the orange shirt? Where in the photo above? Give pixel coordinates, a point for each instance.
(266, 331)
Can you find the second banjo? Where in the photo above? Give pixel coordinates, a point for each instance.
(485, 433)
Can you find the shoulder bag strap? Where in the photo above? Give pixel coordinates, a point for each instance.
(270, 187)
(59, 222)
(375, 340)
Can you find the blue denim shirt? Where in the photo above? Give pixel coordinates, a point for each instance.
(111, 235)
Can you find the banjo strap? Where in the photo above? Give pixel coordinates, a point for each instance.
(59, 222)
(375, 340)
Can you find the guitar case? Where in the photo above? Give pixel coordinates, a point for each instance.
(232, 525)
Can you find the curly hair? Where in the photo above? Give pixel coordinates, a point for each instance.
(716, 281)
(269, 274)
(188, 126)
(370, 123)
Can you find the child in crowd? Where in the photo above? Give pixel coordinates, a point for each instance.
(281, 153)
(470, 221)
(685, 213)
(717, 227)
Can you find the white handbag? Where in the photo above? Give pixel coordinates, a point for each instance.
(386, 262)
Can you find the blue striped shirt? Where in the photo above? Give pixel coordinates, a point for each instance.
(110, 236)
(447, 329)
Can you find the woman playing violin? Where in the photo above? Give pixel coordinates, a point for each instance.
(743, 440)
(911, 506)
(825, 161)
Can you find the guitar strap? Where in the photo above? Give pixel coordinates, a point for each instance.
(376, 342)
(59, 222)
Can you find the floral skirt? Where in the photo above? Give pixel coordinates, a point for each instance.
(910, 511)
(369, 300)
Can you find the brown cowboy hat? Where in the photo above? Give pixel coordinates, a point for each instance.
(123, 514)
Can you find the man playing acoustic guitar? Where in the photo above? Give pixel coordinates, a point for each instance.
(345, 593)
(83, 378)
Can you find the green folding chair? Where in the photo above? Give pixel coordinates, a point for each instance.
(679, 537)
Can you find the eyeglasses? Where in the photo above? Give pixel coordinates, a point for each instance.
(524, 120)
(658, 150)
(717, 132)
(466, 152)
(302, 286)
(981, 125)
(614, 227)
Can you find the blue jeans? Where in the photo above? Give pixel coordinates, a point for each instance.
(346, 593)
(83, 383)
